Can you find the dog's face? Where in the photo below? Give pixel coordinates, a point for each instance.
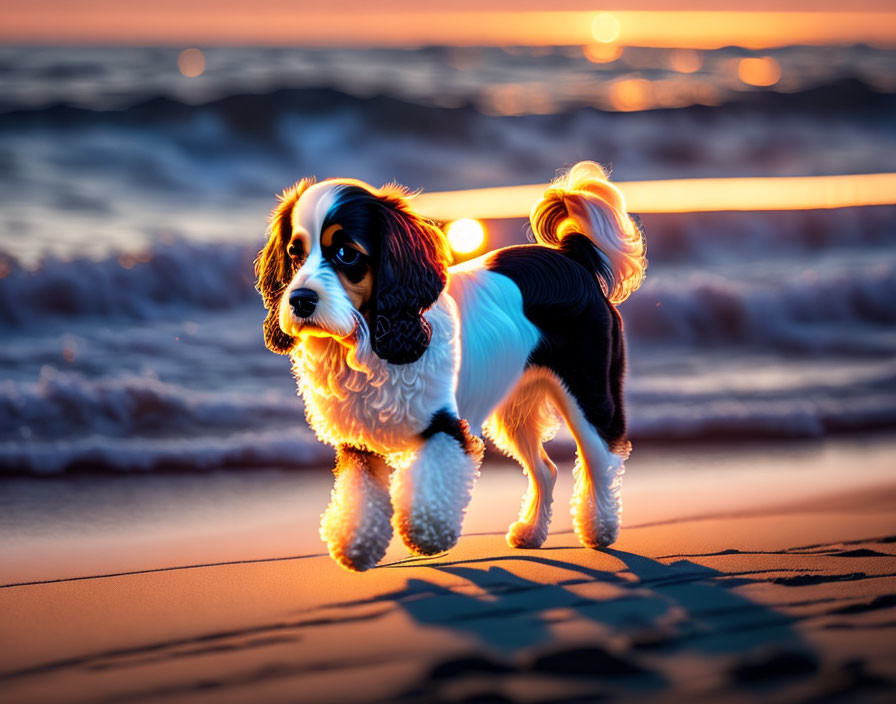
(352, 262)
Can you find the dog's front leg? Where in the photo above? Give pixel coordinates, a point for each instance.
(431, 495)
(357, 524)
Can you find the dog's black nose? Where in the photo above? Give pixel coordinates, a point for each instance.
(303, 301)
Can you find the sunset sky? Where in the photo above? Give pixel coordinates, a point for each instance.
(695, 23)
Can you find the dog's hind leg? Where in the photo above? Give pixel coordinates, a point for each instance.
(531, 528)
(356, 525)
(518, 427)
(596, 502)
(431, 495)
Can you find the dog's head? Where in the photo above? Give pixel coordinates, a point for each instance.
(344, 258)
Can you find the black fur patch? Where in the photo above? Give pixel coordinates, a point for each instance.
(582, 341)
(356, 210)
(444, 421)
(409, 263)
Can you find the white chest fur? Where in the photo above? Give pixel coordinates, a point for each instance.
(353, 397)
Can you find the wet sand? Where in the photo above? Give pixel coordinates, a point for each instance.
(743, 574)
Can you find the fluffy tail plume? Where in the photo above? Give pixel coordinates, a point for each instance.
(583, 202)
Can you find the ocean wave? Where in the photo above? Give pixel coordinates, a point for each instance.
(812, 310)
(840, 304)
(717, 237)
(245, 108)
(136, 286)
(296, 448)
(60, 405)
(66, 422)
(760, 419)
(101, 453)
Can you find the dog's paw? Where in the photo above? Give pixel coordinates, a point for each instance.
(526, 535)
(597, 505)
(427, 535)
(357, 558)
(599, 537)
(431, 496)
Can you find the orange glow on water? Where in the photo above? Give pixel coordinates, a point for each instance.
(191, 63)
(631, 94)
(127, 261)
(681, 196)
(685, 61)
(506, 99)
(763, 71)
(516, 99)
(602, 53)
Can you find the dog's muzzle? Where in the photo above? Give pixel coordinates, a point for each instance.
(303, 302)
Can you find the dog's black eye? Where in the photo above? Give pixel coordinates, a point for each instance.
(348, 256)
(295, 250)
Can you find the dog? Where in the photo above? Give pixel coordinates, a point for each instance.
(404, 361)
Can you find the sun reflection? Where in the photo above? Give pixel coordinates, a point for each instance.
(503, 100)
(763, 71)
(631, 94)
(465, 235)
(517, 99)
(602, 53)
(191, 63)
(605, 27)
(685, 61)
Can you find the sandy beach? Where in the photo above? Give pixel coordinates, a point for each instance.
(743, 574)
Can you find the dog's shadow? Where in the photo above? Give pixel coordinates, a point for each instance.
(655, 605)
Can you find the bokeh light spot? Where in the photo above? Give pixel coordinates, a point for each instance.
(465, 235)
(763, 71)
(685, 61)
(191, 63)
(605, 27)
(602, 53)
(631, 94)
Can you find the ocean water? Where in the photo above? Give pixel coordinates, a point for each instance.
(133, 201)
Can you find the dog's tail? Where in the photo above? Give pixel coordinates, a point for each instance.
(583, 215)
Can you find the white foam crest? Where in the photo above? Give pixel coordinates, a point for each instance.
(60, 405)
(292, 449)
(811, 310)
(142, 285)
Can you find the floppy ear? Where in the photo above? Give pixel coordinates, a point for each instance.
(274, 268)
(412, 272)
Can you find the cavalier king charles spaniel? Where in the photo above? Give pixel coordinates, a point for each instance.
(403, 361)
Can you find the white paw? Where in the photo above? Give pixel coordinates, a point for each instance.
(527, 535)
(431, 496)
(597, 507)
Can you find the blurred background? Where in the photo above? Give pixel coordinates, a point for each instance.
(142, 145)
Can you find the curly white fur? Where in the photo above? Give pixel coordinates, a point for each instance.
(596, 502)
(353, 397)
(357, 524)
(431, 495)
